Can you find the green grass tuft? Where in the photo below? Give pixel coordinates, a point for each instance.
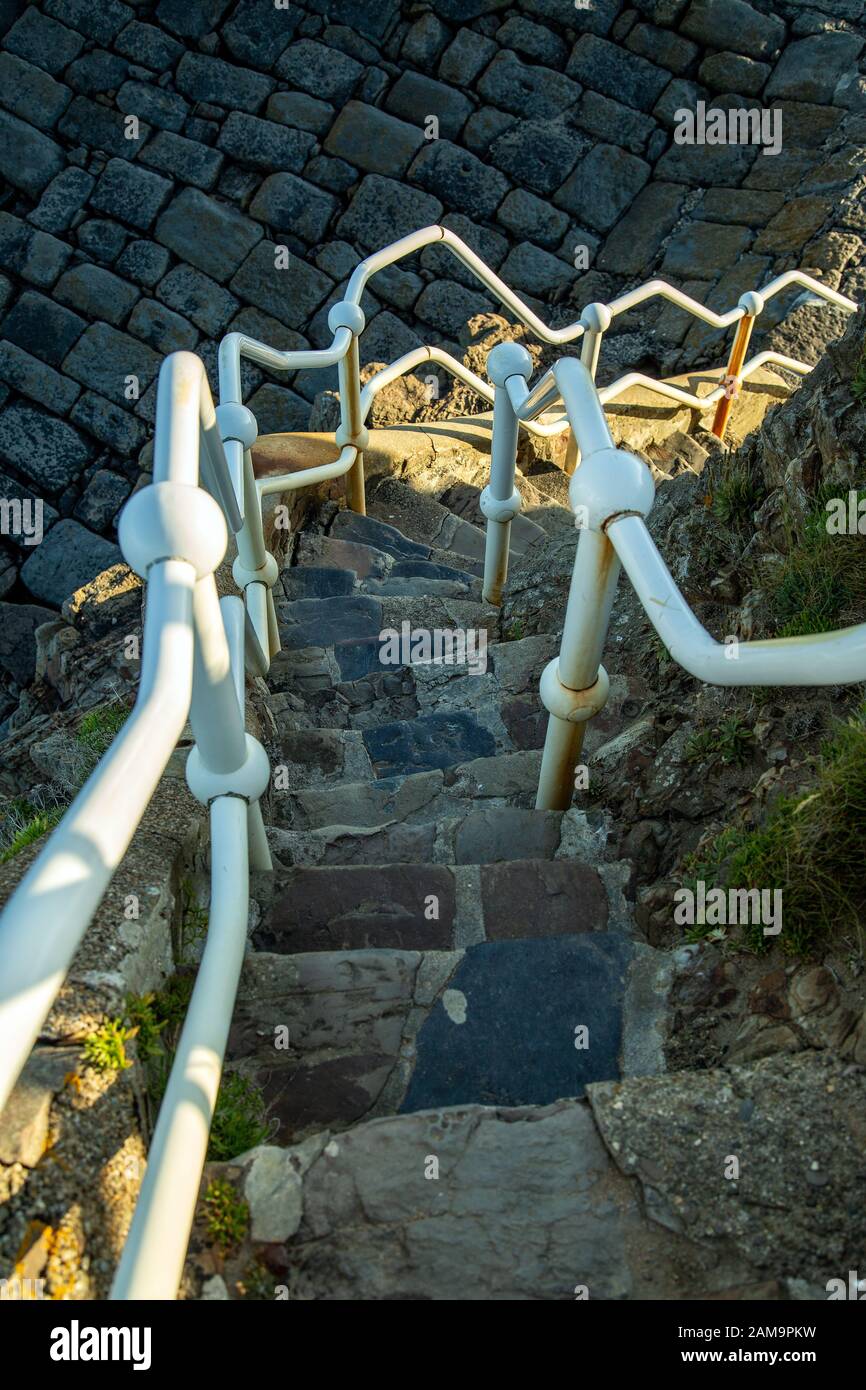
(99, 728)
(239, 1121)
(737, 494)
(820, 584)
(732, 742)
(810, 846)
(226, 1213)
(38, 824)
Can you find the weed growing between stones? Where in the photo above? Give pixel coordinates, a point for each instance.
(106, 1048)
(194, 920)
(731, 742)
(23, 824)
(736, 494)
(810, 847)
(240, 1119)
(227, 1215)
(99, 728)
(156, 1019)
(257, 1283)
(820, 584)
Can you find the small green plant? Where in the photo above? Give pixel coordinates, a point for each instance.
(227, 1215)
(38, 823)
(159, 1017)
(99, 727)
(194, 920)
(737, 494)
(141, 1014)
(736, 741)
(700, 747)
(239, 1121)
(257, 1284)
(809, 847)
(821, 582)
(106, 1048)
(658, 650)
(515, 631)
(732, 742)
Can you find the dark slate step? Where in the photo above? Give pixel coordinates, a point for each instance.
(427, 569)
(368, 530)
(364, 561)
(486, 833)
(312, 756)
(503, 1032)
(311, 581)
(420, 516)
(419, 796)
(374, 1032)
(463, 500)
(327, 622)
(419, 905)
(423, 588)
(428, 742)
(358, 907)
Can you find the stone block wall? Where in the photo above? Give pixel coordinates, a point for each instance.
(154, 155)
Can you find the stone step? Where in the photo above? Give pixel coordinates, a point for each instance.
(422, 743)
(373, 633)
(367, 561)
(426, 520)
(369, 530)
(464, 500)
(422, 796)
(434, 906)
(484, 1204)
(483, 833)
(371, 1032)
(346, 686)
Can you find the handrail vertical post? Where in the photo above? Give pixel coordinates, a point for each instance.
(574, 686)
(352, 427)
(610, 481)
(596, 319)
(500, 501)
(752, 303)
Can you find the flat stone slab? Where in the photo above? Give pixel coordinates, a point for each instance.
(520, 1205)
(365, 561)
(400, 906)
(342, 1019)
(368, 530)
(491, 833)
(428, 742)
(422, 795)
(311, 581)
(533, 898)
(364, 803)
(324, 622)
(504, 1032)
(25, 1117)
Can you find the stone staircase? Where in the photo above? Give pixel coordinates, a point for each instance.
(431, 942)
(430, 939)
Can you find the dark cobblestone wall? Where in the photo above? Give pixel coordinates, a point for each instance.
(153, 155)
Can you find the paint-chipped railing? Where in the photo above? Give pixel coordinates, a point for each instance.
(611, 493)
(197, 649)
(500, 502)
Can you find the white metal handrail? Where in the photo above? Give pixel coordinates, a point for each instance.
(197, 648)
(612, 493)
